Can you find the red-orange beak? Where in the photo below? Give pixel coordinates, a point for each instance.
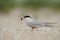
(22, 20)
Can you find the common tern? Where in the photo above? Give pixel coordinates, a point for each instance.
(33, 23)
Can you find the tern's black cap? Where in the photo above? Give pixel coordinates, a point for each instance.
(27, 16)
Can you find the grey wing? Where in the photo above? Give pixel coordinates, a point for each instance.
(38, 24)
(35, 23)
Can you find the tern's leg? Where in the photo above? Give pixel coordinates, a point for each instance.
(33, 28)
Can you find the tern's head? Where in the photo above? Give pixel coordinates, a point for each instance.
(25, 18)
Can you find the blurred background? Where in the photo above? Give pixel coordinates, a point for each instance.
(11, 27)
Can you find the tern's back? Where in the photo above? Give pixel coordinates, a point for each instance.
(34, 23)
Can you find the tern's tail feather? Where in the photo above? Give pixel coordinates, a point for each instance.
(49, 24)
(46, 25)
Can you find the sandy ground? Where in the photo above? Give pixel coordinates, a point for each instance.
(11, 27)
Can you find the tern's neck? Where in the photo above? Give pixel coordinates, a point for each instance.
(28, 19)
